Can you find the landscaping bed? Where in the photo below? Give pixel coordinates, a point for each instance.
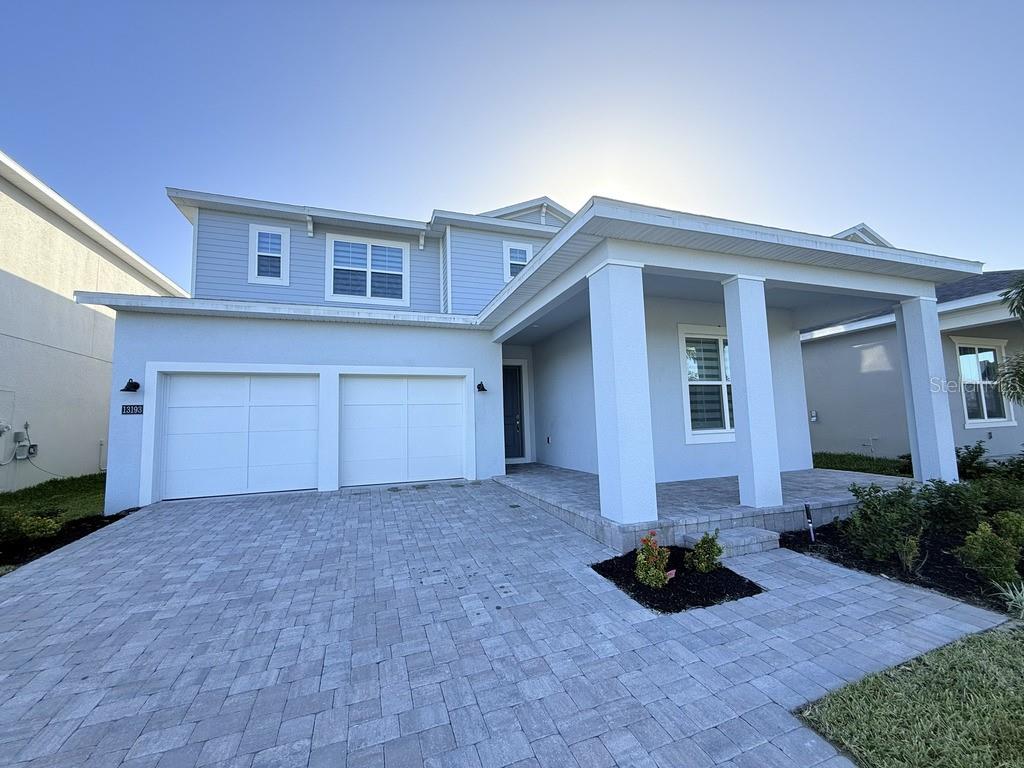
(688, 589)
(961, 706)
(859, 462)
(35, 521)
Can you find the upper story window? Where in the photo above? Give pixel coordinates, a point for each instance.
(516, 257)
(707, 384)
(269, 249)
(367, 271)
(978, 361)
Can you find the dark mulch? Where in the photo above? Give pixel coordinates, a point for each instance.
(940, 570)
(689, 589)
(23, 551)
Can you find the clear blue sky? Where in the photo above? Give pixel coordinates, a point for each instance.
(807, 115)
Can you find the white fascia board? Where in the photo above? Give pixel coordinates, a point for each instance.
(185, 198)
(967, 312)
(42, 194)
(529, 205)
(265, 310)
(440, 219)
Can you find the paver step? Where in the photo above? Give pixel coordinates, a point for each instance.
(739, 541)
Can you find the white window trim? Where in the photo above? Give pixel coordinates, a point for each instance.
(330, 295)
(701, 436)
(506, 247)
(1000, 346)
(285, 233)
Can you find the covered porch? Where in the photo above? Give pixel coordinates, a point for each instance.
(692, 507)
(661, 360)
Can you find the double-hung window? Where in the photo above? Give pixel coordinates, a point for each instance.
(707, 387)
(516, 257)
(269, 249)
(367, 271)
(978, 361)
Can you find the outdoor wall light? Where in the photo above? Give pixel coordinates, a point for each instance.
(480, 387)
(131, 386)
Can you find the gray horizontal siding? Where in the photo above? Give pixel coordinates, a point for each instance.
(222, 263)
(478, 269)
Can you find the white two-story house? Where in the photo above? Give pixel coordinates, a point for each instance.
(323, 349)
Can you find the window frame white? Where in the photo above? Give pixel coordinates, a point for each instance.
(254, 254)
(369, 242)
(999, 345)
(506, 250)
(702, 436)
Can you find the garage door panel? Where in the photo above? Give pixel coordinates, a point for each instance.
(372, 416)
(436, 415)
(269, 448)
(373, 443)
(215, 418)
(372, 472)
(283, 390)
(373, 390)
(221, 449)
(430, 389)
(435, 468)
(277, 418)
(204, 482)
(205, 390)
(436, 441)
(282, 477)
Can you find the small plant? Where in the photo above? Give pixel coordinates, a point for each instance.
(992, 556)
(882, 522)
(1010, 525)
(971, 462)
(1012, 593)
(950, 510)
(706, 554)
(908, 553)
(652, 561)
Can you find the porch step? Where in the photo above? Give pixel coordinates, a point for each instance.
(739, 541)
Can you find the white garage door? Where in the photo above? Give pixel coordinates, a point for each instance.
(225, 434)
(401, 429)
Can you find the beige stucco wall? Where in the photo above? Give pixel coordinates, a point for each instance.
(54, 354)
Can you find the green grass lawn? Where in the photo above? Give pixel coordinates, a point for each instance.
(858, 462)
(71, 497)
(961, 706)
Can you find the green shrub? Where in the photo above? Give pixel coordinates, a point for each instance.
(706, 554)
(950, 510)
(999, 491)
(971, 462)
(883, 521)
(908, 552)
(1010, 525)
(651, 562)
(990, 555)
(859, 462)
(16, 525)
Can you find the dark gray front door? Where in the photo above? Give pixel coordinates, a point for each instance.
(512, 384)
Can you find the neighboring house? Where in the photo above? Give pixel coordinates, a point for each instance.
(55, 355)
(325, 349)
(853, 378)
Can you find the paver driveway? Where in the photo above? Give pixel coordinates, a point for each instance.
(445, 624)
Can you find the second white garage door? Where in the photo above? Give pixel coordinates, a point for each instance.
(397, 429)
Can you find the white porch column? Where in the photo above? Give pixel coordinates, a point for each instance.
(622, 395)
(929, 423)
(753, 395)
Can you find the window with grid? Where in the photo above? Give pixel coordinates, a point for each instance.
(367, 270)
(268, 254)
(516, 257)
(981, 396)
(708, 383)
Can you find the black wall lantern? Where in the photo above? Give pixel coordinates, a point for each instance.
(131, 386)
(480, 387)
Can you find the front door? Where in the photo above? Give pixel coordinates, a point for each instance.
(512, 383)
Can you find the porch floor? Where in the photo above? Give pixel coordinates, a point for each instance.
(690, 506)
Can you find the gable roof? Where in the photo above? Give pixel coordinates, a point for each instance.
(862, 233)
(42, 194)
(526, 206)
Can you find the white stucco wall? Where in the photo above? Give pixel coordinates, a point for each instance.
(565, 395)
(143, 338)
(854, 383)
(54, 354)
